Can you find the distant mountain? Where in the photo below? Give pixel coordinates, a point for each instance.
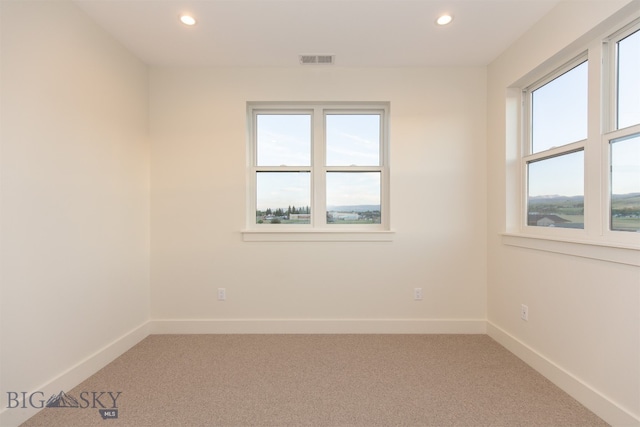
(546, 196)
(625, 196)
(353, 208)
(555, 198)
(62, 400)
(621, 204)
(559, 197)
(626, 204)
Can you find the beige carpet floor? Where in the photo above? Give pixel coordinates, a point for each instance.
(320, 380)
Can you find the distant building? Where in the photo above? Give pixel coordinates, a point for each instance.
(545, 220)
(344, 216)
(300, 217)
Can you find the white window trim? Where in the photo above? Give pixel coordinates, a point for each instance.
(317, 235)
(596, 240)
(318, 230)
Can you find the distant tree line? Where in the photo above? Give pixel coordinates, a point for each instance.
(284, 212)
(564, 208)
(625, 212)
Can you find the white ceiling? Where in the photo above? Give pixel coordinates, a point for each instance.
(360, 33)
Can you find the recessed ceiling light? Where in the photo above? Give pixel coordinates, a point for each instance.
(188, 20)
(444, 20)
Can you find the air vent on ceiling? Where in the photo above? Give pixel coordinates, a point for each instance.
(317, 59)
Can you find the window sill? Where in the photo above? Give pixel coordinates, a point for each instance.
(317, 235)
(605, 251)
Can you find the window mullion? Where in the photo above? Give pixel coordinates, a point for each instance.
(318, 175)
(594, 221)
(526, 118)
(609, 86)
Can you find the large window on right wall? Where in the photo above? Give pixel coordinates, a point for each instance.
(580, 156)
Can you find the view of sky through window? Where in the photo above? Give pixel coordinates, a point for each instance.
(629, 81)
(353, 188)
(558, 176)
(559, 110)
(353, 139)
(282, 190)
(625, 165)
(283, 139)
(556, 191)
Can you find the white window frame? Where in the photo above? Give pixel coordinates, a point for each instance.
(527, 146)
(596, 240)
(317, 229)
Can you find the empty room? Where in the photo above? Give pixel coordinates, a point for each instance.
(319, 213)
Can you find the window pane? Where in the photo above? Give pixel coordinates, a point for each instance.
(353, 197)
(559, 110)
(283, 198)
(625, 184)
(629, 81)
(556, 191)
(353, 139)
(283, 139)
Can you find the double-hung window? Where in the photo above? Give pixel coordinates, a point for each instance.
(622, 141)
(554, 159)
(317, 169)
(578, 148)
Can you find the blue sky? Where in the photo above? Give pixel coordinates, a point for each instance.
(285, 140)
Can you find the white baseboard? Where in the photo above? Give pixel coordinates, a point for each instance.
(73, 376)
(318, 326)
(583, 393)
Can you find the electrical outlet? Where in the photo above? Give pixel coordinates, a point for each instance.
(222, 294)
(524, 312)
(417, 294)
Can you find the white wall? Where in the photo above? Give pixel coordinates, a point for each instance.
(584, 314)
(76, 229)
(75, 196)
(198, 129)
